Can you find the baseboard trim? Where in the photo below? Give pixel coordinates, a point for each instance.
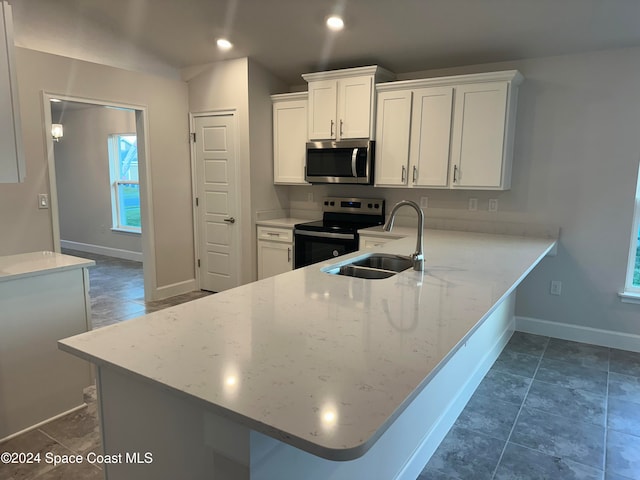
(43, 422)
(174, 289)
(578, 333)
(100, 250)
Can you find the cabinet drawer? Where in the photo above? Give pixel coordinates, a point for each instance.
(373, 242)
(275, 234)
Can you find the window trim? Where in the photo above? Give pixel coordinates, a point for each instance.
(631, 292)
(113, 174)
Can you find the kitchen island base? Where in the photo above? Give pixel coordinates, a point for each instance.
(153, 432)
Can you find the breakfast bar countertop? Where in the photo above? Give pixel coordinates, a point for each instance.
(323, 362)
(36, 263)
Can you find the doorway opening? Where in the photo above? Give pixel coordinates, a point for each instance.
(100, 195)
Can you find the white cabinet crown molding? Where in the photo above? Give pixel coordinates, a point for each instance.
(290, 96)
(513, 76)
(380, 74)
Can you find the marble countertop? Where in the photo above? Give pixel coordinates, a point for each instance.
(323, 362)
(37, 263)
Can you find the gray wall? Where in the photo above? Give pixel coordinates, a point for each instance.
(82, 176)
(577, 150)
(27, 228)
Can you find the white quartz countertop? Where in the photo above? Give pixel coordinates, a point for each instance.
(323, 362)
(38, 263)
(287, 222)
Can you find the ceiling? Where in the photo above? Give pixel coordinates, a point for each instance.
(289, 38)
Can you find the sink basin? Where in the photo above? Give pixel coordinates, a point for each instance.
(364, 272)
(382, 261)
(374, 266)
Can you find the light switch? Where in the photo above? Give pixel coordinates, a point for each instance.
(43, 200)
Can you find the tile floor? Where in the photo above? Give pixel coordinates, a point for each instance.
(547, 409)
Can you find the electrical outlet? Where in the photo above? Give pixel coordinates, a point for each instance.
(493, 204)
(473, 204)
(43, 200)
(424, 202)
(310, 197)
(556, 287)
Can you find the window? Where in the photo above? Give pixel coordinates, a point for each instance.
(125, 188)
(632, 285)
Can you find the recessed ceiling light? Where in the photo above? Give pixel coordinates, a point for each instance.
(224, 44)
(334, 22)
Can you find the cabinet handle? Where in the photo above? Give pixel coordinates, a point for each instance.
(404, 173)
(273, 234)
(332, 128)
(415, 174)
(340, 128)
(455, 173)
(289, 254)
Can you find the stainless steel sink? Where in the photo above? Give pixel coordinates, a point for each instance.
(383, 261)
(374, 266)
(364, 272)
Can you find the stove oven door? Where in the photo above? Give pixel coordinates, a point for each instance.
(312, 247)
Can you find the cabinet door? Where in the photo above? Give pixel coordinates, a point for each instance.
(289, 138)
(274, 258)
(392, 133)
(354, 107)
(478, 135)
(430, 136)
(322, 110)
(12, 166)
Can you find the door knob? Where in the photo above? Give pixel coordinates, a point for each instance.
(230, 220)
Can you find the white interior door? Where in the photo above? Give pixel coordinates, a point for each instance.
(217, 202)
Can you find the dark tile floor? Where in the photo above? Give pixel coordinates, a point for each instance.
(117, 294)
(548, 409)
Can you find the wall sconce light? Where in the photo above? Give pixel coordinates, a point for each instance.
(56, 131)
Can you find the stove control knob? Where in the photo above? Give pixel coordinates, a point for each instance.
(336, 253)
(377, 205)
(326, 203)
(332, 204)
(369, 205)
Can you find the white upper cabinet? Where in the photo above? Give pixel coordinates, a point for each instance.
(342, 102)
(482, 140)
(448, 132)
(289, 137)
(12, 165)
(430, 136)
(392, 133)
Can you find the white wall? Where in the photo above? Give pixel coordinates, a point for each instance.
(82, 177)
(577, 150)
(25, 228)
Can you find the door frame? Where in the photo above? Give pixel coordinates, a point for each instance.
(146, 200)
(197, 228)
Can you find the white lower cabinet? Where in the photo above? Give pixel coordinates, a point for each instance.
(372, 241)
(275, 251)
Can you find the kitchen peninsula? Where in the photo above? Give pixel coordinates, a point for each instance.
(43, 298)
(307, 374)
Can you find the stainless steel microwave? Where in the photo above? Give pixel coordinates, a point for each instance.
(347, 161)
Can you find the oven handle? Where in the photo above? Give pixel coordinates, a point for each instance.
(344, 236)
(354, 157)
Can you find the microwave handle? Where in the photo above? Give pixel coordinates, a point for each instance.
(354, 157)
